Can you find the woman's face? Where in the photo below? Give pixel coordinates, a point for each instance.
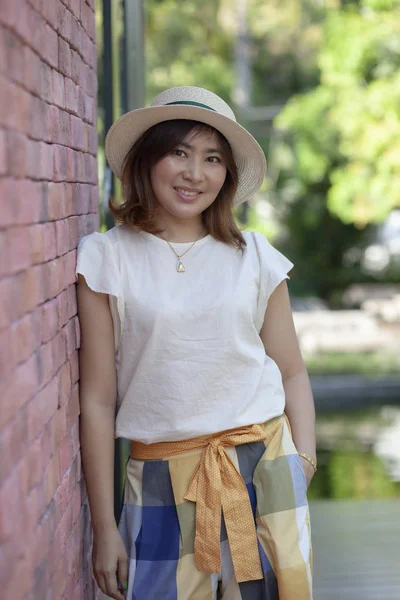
(188, 179)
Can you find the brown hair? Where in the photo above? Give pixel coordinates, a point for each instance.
(139, 206)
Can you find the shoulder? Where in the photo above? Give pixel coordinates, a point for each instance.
(114, 236)
(256, 241)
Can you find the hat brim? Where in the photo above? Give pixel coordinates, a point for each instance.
(248, 155)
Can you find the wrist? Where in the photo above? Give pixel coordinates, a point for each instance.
(103, 526)
(312, 461)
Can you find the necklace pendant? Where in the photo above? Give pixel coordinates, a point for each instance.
(180, 267)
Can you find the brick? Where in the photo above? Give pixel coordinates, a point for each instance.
(46, 75)
(73, 232)
(49, 11)
(74, 361)
(59, 350)
(71, 341)
(3, 154)
(17, 154)
(76, 34)
(53, 125)
(50, 46)
(72, 303)
(35, 504)
(90, 109)
(43, 242)
(65, 130)
(82, 197)
(91, 168)
(57, 89)
(76, 65)
(32, 70)
(71, 96)
(92, 147)
(25, 336)
(21, 389)
(64, 57)
(64, 384)
(86, 133)
(30, 288)
(65, 454)
(65, 22)
(63, 308)
(35, 462)
(62, 237)
(41, 409)
(39, 118)
(84, 81)
(9, 13)
(92, 56)
(63, 529)
(49, 320)
(44, 532)
(8, 209)
(56, 201)
(15, 251)
(12, 444)
(55, 277)
(29, 24)
(60, 424)
(14, 57)
(45, 363)
(64, 493)
(59, 163)
(77, 133)
(80, 168)
(69, 264)
(32, 160)
(75, 7)
(70, 164)
(7, 355)
(7, 295)
(91, 84)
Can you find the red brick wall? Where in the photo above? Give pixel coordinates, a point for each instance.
(49, 199)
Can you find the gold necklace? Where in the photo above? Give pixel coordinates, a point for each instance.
(180, 267)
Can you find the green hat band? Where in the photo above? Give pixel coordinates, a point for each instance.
(188, 103)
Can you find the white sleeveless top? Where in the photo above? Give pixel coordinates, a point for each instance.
(188, 353)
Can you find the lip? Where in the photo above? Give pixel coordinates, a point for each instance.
(191, 195)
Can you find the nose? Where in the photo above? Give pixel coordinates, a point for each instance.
(194, 170)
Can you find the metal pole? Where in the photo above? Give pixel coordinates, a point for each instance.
(133, 79)
(108, 103)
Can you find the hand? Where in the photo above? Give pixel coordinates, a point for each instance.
(110, 557)
(308, 470)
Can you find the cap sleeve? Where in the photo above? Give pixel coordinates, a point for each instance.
(97, 262)
(274, 268)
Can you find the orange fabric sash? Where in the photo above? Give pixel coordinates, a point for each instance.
(217, 485)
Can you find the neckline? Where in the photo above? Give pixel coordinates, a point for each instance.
(156, 239)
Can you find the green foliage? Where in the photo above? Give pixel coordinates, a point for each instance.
(334, 152)
(356, 111)
(188, 43)
(372, 364)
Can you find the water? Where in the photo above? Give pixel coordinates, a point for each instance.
(355, 505)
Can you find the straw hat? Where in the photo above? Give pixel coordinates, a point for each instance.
(197, 104)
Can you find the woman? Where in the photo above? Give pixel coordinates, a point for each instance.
(188, 338)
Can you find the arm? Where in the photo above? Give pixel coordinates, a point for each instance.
(98, 391)
(280, 341)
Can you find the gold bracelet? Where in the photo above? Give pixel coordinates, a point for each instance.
(310, 460)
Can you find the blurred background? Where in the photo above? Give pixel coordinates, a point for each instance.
(317, 82)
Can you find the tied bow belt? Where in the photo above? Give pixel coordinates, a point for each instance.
(216, 484)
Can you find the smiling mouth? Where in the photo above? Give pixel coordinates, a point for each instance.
(187, 194)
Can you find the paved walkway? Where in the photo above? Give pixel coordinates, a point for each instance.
(356, 549)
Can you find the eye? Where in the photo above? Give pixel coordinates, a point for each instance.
(179, 152)
(214, 159)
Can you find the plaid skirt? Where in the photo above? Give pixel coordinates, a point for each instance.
(158, 526)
